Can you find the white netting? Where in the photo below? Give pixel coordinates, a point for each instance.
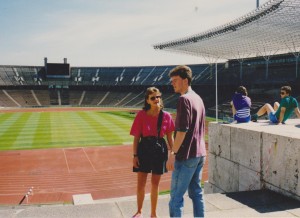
(273, 28)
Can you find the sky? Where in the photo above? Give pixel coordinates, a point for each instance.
(107, 32)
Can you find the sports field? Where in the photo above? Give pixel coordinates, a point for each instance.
(89, 154)
(55, 129)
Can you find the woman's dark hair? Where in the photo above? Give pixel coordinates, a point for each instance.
(149, 92)
(242, 90)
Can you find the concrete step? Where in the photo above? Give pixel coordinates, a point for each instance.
(261, 203)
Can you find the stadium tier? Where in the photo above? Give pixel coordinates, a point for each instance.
(95, 76)
(30, 86)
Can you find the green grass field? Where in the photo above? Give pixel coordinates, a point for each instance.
(31, 130)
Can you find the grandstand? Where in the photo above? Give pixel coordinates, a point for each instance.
(29, 86)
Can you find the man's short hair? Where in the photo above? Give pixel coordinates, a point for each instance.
(183, 71)
(287, 89)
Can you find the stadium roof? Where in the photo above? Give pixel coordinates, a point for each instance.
(273, 28)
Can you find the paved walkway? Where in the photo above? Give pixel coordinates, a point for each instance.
(242, 204)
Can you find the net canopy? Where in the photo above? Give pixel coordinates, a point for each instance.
(273, 28)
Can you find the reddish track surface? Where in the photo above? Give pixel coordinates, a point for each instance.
(57, 174)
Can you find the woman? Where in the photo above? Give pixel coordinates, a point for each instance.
(144, 162)
(241, 105)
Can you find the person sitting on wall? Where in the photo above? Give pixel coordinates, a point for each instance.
(280, 112)
(241, 105)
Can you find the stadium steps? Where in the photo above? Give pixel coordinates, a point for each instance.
(53, 94)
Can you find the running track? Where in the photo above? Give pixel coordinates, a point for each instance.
(57, 174)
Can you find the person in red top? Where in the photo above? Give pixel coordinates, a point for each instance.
(144, 127)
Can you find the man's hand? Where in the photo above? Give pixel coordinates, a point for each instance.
(297, 112)
(170, 162)
(281, 115)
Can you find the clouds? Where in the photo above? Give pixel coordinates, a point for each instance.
(106, 33)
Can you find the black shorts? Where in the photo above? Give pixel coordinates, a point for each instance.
(149, 161)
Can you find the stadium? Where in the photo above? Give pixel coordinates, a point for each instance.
(47, 109)
(62, 124)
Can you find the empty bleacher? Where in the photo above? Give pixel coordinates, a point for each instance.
(6, 101)
(28, 86)
(53, 96)
(75, 96)
(92, 97)
(23, 97)
(43, 97)
(115, 98)
(137, 99)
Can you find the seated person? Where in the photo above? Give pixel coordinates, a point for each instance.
(281, 112)
(240, 105)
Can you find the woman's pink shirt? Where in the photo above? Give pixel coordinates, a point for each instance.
(146, 125)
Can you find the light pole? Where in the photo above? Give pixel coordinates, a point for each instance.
(257, 3)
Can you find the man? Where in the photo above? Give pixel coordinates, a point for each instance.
(188, 153)
(281, 112)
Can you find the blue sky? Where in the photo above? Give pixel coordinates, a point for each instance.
(107, 32)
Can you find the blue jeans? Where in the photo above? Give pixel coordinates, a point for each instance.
(187, 176)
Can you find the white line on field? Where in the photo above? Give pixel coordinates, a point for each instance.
(89, 160)
(66, 160)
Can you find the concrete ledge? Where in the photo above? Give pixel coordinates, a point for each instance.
(252, 156)
(225, 181)
(83, 199)
(210, 188)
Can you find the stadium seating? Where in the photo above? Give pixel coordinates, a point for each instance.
(29, 86)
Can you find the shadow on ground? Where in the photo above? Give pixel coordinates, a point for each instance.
(265, 201)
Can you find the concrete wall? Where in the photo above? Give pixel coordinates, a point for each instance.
(253, 156)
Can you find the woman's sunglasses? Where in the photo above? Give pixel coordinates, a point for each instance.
(282, 93)
(155, 97)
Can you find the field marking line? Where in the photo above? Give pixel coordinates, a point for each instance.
(66, 160)
(89, 159)
(127, 143)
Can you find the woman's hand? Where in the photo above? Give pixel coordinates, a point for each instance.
(136, 162)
